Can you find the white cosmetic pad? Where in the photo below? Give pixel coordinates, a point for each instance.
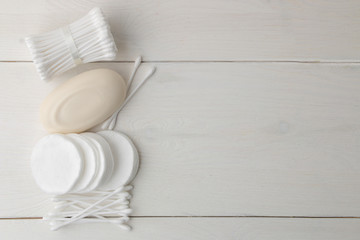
(56, 163)
(126, 159)
(89, 169)
(106, 161)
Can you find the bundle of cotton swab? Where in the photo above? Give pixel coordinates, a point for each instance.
(97, 206)
(88, 39)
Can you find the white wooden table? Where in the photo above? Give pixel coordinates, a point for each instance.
(250, 129)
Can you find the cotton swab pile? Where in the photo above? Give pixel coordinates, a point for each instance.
(88, 39)
(97, 206)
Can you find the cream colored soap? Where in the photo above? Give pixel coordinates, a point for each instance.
(83, 101)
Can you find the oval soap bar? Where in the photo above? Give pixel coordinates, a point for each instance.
(83, 101)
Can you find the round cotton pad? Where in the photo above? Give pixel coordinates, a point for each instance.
(106, 163)
(56, 163)
(126, 159)
(99, 161)
(136, 164)
(89, 169)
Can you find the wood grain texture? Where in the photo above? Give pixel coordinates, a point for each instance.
(216, 139)
(208, 30)
(191, 228)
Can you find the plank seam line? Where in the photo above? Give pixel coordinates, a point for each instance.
(219, 61)
(288, 217)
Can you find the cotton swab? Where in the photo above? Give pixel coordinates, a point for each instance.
(136, 67)
(114, 117)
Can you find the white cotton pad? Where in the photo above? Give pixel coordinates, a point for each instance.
(89, 169)
(126, 159)
(137, 163)
(106, 161)
(56, 163)
(100, 164)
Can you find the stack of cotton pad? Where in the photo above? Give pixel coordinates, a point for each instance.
(80, 163)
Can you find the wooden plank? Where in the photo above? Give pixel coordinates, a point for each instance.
(200, 30)
(191, 228)
(217, 139)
